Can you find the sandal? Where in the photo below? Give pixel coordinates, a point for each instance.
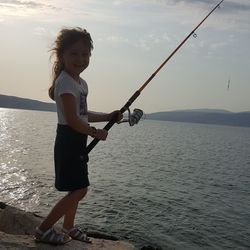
(50, 236)
(77, 234)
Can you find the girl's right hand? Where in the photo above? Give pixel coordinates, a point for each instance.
(101, 134)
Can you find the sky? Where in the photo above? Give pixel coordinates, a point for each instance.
(131, 39)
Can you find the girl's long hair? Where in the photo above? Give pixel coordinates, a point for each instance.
(65, 39)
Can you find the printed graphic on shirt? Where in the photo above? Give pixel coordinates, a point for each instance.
(83, 104)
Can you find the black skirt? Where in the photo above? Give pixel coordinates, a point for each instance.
(71, 168)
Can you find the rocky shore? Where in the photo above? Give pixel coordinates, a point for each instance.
(17, 230)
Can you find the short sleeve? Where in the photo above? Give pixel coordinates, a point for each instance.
(65, 87)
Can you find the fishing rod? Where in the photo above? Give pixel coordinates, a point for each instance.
(138, 92)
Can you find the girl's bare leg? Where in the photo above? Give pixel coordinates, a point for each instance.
(69, 216)
(67, 205)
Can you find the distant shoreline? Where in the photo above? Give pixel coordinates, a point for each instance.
(24, 103)
(216, 117)
(201, 116)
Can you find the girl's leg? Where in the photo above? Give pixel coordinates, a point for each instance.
(62, 207)
(69, 216)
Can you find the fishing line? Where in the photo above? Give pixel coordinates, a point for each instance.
(138, 92)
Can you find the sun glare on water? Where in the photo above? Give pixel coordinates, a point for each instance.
(17, 187)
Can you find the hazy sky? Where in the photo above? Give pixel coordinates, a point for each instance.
(131, 39)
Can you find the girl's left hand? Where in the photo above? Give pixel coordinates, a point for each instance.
(117, 115)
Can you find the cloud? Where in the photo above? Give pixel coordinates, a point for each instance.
(218, 45)
(233, 14)
(117, 39)
(20, 7)
(13, 3)
(40, 31)
(228, 6)
(147, 42)
(233, 5)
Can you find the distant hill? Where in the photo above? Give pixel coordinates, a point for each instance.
(23, 103)
(207, 116)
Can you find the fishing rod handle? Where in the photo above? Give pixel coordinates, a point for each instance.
(107, 127)
(93, 143)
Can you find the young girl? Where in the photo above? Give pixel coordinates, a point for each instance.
(72, 50)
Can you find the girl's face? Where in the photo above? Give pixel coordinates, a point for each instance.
(76, 59)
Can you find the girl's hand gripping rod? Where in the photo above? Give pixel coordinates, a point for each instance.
(138, 92)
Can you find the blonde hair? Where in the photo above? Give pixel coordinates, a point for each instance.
(65, 39)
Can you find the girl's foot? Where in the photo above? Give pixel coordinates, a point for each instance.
(77, 234)
(50, 236)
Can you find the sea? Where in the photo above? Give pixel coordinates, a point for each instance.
(165, 184)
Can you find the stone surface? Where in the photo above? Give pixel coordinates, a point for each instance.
(13, 242)
(17, 229)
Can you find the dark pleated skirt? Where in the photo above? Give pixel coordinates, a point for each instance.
(71, 168)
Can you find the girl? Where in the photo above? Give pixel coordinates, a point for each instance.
(72, 50)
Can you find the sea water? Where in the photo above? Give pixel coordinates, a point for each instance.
(166, 184)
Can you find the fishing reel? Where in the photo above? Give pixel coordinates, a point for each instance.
(133, 118)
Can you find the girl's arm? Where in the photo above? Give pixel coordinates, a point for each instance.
(70, 114)
(104, 117)
(98, 117)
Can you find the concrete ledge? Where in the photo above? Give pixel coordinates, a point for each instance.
(17, 230)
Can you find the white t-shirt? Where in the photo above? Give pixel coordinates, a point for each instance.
(66, 84)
